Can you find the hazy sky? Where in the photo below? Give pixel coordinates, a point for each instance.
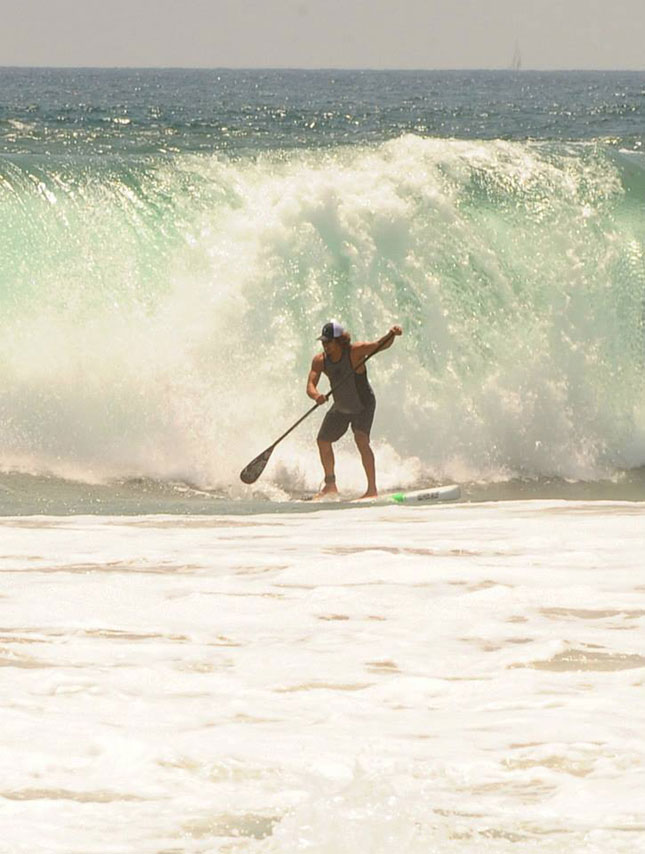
(324, 33)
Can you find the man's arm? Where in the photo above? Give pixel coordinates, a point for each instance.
(366, 348)
(313, 379)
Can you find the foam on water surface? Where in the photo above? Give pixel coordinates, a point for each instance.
(412, 679)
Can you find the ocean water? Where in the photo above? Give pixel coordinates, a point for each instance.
(194, 665)
(173, 241)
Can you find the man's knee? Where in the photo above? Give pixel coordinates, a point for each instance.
(362, 439)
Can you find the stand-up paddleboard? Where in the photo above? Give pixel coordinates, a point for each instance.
(429, 495)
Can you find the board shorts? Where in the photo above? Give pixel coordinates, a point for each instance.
(335, 423)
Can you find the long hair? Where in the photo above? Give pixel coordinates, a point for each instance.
(345, 339)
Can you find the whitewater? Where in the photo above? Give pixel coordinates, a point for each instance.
(152, 308)
(450, 679)
(191, 665)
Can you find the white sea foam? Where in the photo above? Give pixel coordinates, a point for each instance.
(162, 316)
(449, 679)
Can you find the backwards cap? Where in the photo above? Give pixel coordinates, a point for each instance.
(331, 330)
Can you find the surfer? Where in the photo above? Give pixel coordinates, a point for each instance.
(354, 400)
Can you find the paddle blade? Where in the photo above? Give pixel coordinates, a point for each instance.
(252, 472)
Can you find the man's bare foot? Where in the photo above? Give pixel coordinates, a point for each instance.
(328, 491)
(369, 494)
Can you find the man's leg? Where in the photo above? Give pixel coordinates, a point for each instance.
(326, 452)
(367, 458)
(333, 427)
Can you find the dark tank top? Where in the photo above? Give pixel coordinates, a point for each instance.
(355, 393)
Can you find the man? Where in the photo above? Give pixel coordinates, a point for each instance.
(354, 400)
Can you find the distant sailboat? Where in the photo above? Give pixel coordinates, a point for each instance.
(516, 62)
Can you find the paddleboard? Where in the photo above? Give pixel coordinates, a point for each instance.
(429, 495)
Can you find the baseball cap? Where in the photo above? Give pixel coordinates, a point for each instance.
(330, 330)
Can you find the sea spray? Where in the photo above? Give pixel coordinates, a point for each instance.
(159, 314)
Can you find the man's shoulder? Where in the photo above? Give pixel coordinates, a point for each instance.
(358, 349)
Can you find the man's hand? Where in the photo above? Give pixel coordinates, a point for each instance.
(396, 330)
(322, 398)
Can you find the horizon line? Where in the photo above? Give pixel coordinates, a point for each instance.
(339, 68)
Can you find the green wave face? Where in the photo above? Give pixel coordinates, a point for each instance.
(159, 314)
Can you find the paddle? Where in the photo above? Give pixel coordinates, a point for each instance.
(254, 469)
